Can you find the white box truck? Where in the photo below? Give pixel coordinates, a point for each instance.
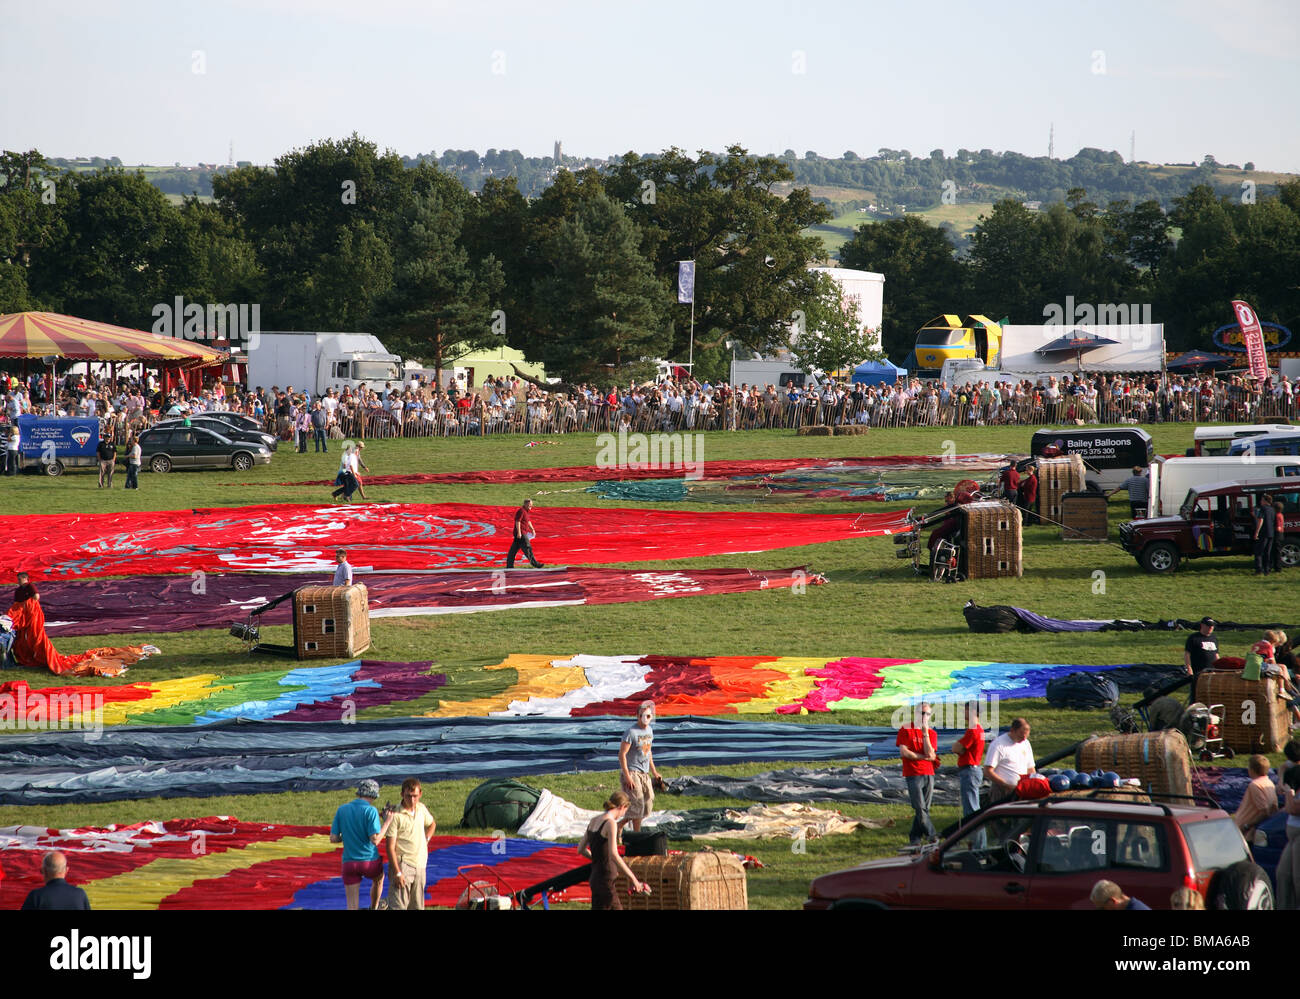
(321, 361)
(1172, 477)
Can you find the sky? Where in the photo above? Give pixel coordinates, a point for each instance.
(157, 82)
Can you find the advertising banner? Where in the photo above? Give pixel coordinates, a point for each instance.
(57, 437)
(1253, 337)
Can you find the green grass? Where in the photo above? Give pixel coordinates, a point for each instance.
(839, 230)
(872, 605)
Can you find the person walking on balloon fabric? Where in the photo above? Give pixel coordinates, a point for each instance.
(524, 532)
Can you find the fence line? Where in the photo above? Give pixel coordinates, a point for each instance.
(538, 417)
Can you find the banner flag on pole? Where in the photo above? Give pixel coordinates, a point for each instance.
(686, 281)
(1253, 337)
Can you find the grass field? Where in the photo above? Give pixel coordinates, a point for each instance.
(840, 229)
(872, 605)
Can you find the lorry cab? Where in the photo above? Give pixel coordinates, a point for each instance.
(945, 338)
(1219, 440)
(356, 370)
(1272, 445)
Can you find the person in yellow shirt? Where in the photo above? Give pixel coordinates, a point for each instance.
(408, 848)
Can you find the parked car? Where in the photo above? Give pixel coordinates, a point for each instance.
(233, 431)
(1214, 520)
(166, 448)
(1048, 853)
(237, 419)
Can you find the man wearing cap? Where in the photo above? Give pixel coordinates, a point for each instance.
(356, 825)
(1200, 652)
(1138, 487)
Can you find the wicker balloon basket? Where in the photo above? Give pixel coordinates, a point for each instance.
(1254, 718)
(1162, 761)
(1056, 477)
(330, 622)
(1084, 517)
(706, 880)
(993, 540)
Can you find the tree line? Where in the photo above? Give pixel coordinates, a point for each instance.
(582, 277)
(892, 177)
(1024, 263)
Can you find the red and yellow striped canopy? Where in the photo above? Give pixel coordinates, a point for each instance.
(45, 334)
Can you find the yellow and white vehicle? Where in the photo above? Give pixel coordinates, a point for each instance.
(946, 338)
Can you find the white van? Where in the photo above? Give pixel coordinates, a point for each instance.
(1172, 477)
(1217, 440)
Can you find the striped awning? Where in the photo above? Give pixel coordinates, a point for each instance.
(46, 334)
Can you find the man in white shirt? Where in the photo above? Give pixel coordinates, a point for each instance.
(343, 571)
(1008, 759)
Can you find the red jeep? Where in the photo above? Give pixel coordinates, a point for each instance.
(1215, 519)
(1047, 854)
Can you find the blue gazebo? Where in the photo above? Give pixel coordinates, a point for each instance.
(884, 372)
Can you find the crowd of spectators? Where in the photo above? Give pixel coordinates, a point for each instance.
(509, 405)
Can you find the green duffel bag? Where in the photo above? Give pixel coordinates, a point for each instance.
(501, 803)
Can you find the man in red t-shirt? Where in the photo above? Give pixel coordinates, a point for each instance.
(918, 747)
(970, 765)
(523, 537)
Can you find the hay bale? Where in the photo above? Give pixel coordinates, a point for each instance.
(684, 881)
(1162, 760)
(814, 431)
(1254, 718)
(851, 430)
